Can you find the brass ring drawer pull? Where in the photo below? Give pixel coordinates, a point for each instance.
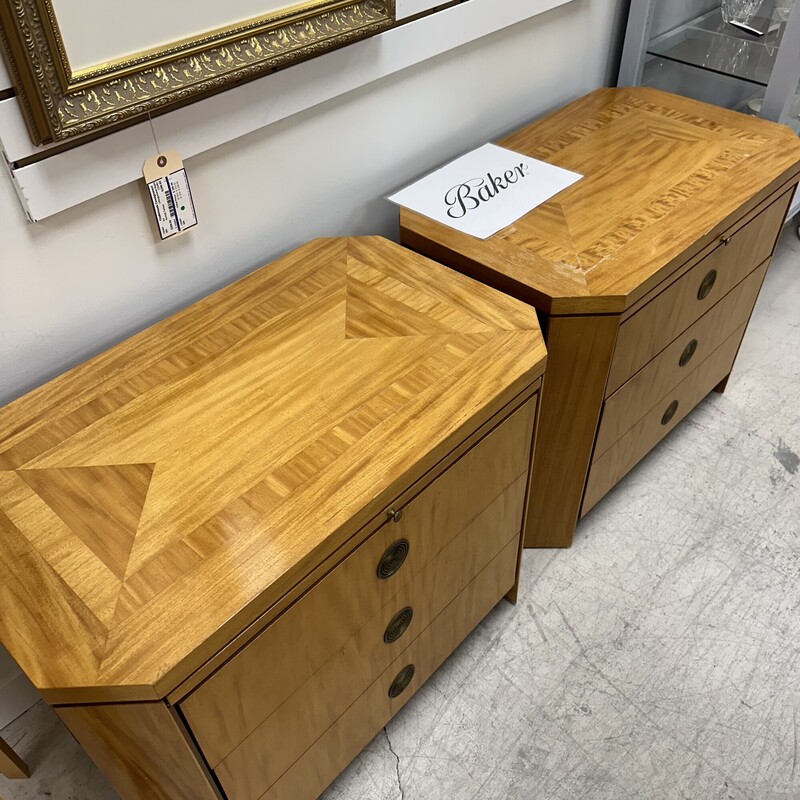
(399, 625)
(669, 413)
(707, 285)
(393, 558)
(688, 353)
(400, 683)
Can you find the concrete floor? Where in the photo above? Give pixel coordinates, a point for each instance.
(658, 658)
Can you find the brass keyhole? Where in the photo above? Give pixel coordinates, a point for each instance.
(393, 559)
(399, 625)
(395, 515)
(688, 353)
(400, 683)
(669, 413)
(707, 285)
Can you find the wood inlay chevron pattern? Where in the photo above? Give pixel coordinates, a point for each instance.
(175, 486)
(108, 530)
(683, 152)
(657, 170)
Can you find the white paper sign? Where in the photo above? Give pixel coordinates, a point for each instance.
(485, 191)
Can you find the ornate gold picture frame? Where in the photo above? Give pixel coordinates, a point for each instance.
(70, 84)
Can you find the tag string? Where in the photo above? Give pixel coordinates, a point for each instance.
(153, 131)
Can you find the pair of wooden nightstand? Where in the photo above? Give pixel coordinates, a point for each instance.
(236, 544)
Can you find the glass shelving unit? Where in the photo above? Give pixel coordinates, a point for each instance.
(710, 44)
(686, 47)
(791, 117)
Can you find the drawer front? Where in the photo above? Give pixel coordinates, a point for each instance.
(664, 318)
(607, 470)
(635, 398)
(294, 727)
(348, 736)
(234, 701)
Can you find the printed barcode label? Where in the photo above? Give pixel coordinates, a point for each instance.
(172, 203)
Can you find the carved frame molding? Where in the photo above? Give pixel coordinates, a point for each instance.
(60, 103)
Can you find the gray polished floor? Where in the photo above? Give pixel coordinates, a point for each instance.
(658, 658)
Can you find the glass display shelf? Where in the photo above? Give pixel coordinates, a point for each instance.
(686, 47)
(709, 43)
(705, 85)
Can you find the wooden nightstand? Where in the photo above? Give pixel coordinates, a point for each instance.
(644, 274)
(236, 544)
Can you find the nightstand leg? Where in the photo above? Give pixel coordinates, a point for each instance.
(579, 351)
(11, 765)
(720, 387)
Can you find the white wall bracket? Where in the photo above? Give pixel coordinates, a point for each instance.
(66, 178)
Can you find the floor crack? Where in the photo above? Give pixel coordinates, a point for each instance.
(397, 764)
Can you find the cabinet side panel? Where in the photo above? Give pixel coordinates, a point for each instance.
(141, 749)
(513, 595)
(579, 353)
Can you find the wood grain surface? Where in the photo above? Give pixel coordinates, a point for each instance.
(627, 405)
(235, 700)
(159, 498)
(677, 306)
(342, 742)
(623, 455)
(314, 707)
(610, 262)
(143, 750)
(312, 577)
(579, 352)
(663, 176)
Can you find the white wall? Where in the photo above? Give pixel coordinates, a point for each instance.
(74, 284)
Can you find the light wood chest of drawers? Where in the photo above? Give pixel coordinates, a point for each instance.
(237, 543)
(644, 274)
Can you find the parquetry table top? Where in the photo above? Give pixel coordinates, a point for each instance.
(666, 173)
(156, 499)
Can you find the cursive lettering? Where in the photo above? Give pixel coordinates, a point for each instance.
(469, 195)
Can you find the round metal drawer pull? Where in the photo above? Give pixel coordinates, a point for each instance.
(393, 559)
(669, 413)
(400, 683)
(395, 515)
(707, 285)
(688, 353)
(399, 625)
(726, 240)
